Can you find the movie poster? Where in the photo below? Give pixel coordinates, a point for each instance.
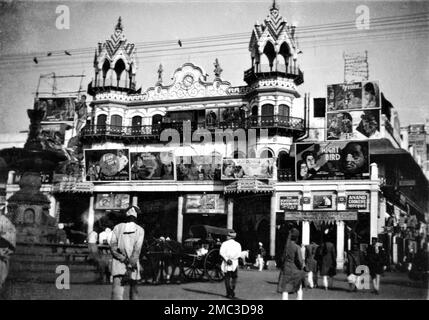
(332, 160)
(107, 165)
(353, 125)
(254, 168)
(112, 201)
(152, 165)
(58, 109)
(205, 203)
(353, 111)
(202, 168)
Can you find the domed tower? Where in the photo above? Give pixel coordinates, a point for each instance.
(273, 80)
(115, 64)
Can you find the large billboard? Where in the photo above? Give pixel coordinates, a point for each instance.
(152, 165)
(353, 111)
(58, 109)
(247, 168)
(332, 160)
(205, 203)
(107, 165)
(202, 167)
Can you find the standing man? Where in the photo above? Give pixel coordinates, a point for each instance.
(126, 244)
(230, 251)
(7, 247)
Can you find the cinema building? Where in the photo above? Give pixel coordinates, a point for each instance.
(143, 147)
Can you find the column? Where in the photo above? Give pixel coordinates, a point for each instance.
(230, 213)
(340, 244)
(305, 232)
(373, 214)
(135, 201)
(273, 209)
(91, 215)
(179, 218)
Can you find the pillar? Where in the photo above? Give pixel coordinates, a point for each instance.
(179, 218)
(273, 210)
(91, 215)
(53, 207)
(373, 215)
(305, 232)
(135, 201)
(340, 244)
(230, 213)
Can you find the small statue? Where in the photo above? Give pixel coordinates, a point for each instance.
(160, 71)
(218, 70)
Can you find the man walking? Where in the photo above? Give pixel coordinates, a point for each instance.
(230, 251)
(126, 244)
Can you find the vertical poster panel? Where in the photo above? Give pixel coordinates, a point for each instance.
(58, 109)
(353, 111)
(332, 160)
(107, 165)
(152, 165)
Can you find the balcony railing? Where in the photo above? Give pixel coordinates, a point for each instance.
(154, 131)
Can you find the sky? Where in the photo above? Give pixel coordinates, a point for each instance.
(397, 50)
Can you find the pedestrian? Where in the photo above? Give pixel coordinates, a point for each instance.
(292, 274)
(230, 251)
(354, 259)
(126, 244)
(376, 263)
(105, 236)
(311, 264)
(7, 248)
(328, 261)
(260, 257)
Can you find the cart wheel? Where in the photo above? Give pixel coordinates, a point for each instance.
(212, 265)
(192, 268)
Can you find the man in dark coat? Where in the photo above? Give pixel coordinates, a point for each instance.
(328, 262)
(376, 258)
(311, 263)
(292, 274)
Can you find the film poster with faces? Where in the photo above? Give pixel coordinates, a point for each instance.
(353, 111)
(225, 116)
(152, 165)
(58, 109)
(107, 165)
(247, 168)
(205, 203)
(332, 160)
(201, 167)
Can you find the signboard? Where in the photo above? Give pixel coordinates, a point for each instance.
(332, 160)
(58, 109)
(321, 216)
(357, 201)
(407, 183)
(289, 203)
(353, 111)
(112, 201)
(53, 134)
(203, 167)
(205, 203)
(152, 165)
(254, 168)
(323, 202)
(107, 165)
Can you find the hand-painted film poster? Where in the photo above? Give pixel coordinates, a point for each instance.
(353, 111)
(107, 165)
(152, 165)
(202, 167)
(332, 160)
(58, 109)
(113, 201)
(205, 203)
(254, 168)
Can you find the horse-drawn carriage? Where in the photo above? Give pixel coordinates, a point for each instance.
(196, 259)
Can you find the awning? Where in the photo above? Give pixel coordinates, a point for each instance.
(384, 146)
(249, 185)
(74, 187)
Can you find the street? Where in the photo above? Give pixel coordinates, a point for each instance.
(252, 285)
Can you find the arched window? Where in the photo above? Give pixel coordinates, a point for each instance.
(267, 114)
(119, 68)
(106, 68)
(29, 216)
(156, 119)
(101, 123)
(283, 115)
(239, 155)
(156, 124)
(136, 125)
(116, 124)
(285, 167)
(270, 53)
(266, 153)
(284, 53)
